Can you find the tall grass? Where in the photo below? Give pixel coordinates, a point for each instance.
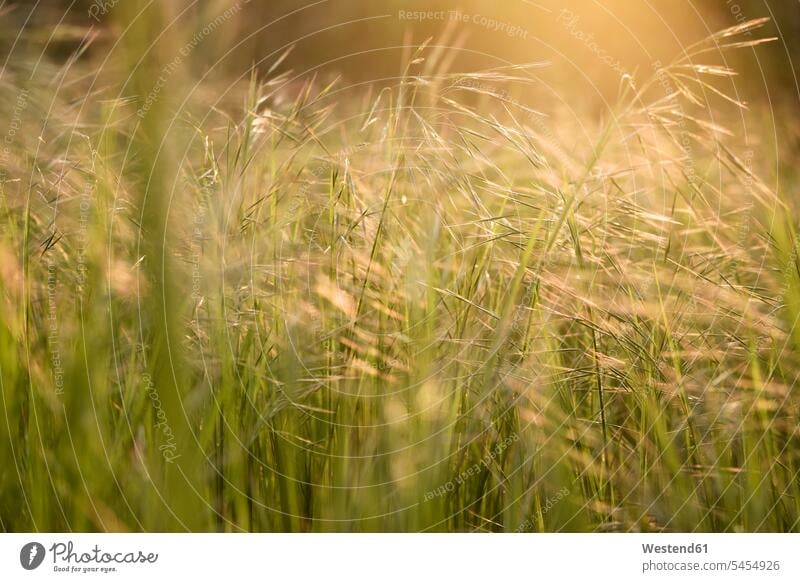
(424, 308)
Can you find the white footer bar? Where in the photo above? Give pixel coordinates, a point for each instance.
(401, 557)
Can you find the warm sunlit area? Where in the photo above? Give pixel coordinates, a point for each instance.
(399, 266)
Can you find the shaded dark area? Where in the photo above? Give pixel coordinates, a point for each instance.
(364, 41)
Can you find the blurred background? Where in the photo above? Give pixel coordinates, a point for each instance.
(90, 91)
(363, 40)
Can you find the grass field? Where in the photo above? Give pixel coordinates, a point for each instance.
(438, 306)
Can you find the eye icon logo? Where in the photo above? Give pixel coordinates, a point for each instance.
(31, 555)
